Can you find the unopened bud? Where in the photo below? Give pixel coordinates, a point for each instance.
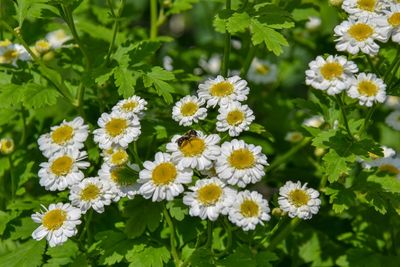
(7, 146)
(336, 2)
(278, 212)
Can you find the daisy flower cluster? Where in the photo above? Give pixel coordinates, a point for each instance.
(63, 147)
(369, 22)
(10, 53)
(53, 40)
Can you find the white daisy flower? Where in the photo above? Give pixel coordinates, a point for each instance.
(248, 210)
(294, 137)
(359, 35)
(116, 128)
(240, 163)
(69, 135)
(262, 72)
(221, 91)
(390, 22)
(393, 120)
(7, 146)
(11, 53)
(299, 201)
(234, 118)
(392, 102)
(388, 165)
(42, 46)
(58, 223)
(209, 198)
(197, 152)
(387, 153)
(63, 170)
(132, 106)
(122, 180)
(213, 65)
(313, 23)
(314, 121)
(57, 38)
(116, 156)
(331, 74)
(188, 110)
(162, 179)
(363, 8)
(368, 88)
(91, 192)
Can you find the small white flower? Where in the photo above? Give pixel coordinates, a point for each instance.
(387, 153)
(221, 91)
(294, 137)
(62, 170)
(188, 110)
(389, 22)
(57, 38)
(393, 102)
(67, 136)
(240, 163)
(10, 54)
(262, 72)
(115, 129)
(132, 106)
(115, 156)
(58, 223)
(248, 210)
(299, 201)
(7, 146)
(91, 192)
(359, 35)
(167, 63)
(313, 23)
(234, 118)
(332, 74)
(387, 165)
(197, 152)
(363, 8)
(314, 121)
(393, 120)
(209, 198)
(213, 65)
(368, 88)
(162, 179)
(122, 180)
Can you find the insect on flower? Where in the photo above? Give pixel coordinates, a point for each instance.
(186, 137)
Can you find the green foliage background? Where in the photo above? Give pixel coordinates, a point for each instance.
(358, 224)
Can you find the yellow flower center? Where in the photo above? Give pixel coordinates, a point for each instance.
(298, 197)
(331, 70)
(189, 109)
(262, 69)
(9, 56)
(221, 89)
(193, 147)
(235, 117)
(295, 137)
(367, 88)
(7, 145)
(241, 159)
(129, 105)
(90, 192)
(119, 157)
(54, 219)
(62, 165)
(360, 31)
(209, 194)
(368, 5)
(394, 19)
(62, 134)
(249, 208)
(116, 126)
(164, 174)
(60, 34)
(5, 43)
(42, 46)
(389, 168)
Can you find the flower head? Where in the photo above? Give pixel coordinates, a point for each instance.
(367, 88)
(189, 110)
(132, 106)
(234, 118)
(393, 120)
(262, 72)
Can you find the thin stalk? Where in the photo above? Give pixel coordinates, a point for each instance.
(367, 120)
(394, 62)
(282, 159)
(86, 230)
(227, 47)
(373, 68)
(273, 230)
(135, 151)
(248, 60)
(346, 123)
(282, 234)
(24, 127)
(174, 252)
(116, 16)
(392, 79)
(153, 19)
(12, 177)
(209, 234)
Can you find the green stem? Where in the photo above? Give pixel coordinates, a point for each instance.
(273, 230)
(153, 19)
(392, 79)
(174, 252)
(12, 177)
(227, 47)
(86, 230)
(24, 127)
(136, 154)
(116, 16)
(282, 159)
(394, 62)
(346, 123)
(367, 120)
(248, 60)
(282, 234)
(209, 234)
(373, 68)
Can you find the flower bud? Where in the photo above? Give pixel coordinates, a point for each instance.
(7, 146)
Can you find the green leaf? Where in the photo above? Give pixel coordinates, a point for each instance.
(262, 33)
(157, 78)
(242, 257)
(125, 80)
(38, 96)
(27, 174)
(142, 214)
(11, 95)
(179, 6)
(202, 257)
(341, 197)
(23, 228)
(335, 166)
(177, 209)
(386, 183)
(148, 256)
(62, 255)
(28, 254)
(114, 246)
(238, 22)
